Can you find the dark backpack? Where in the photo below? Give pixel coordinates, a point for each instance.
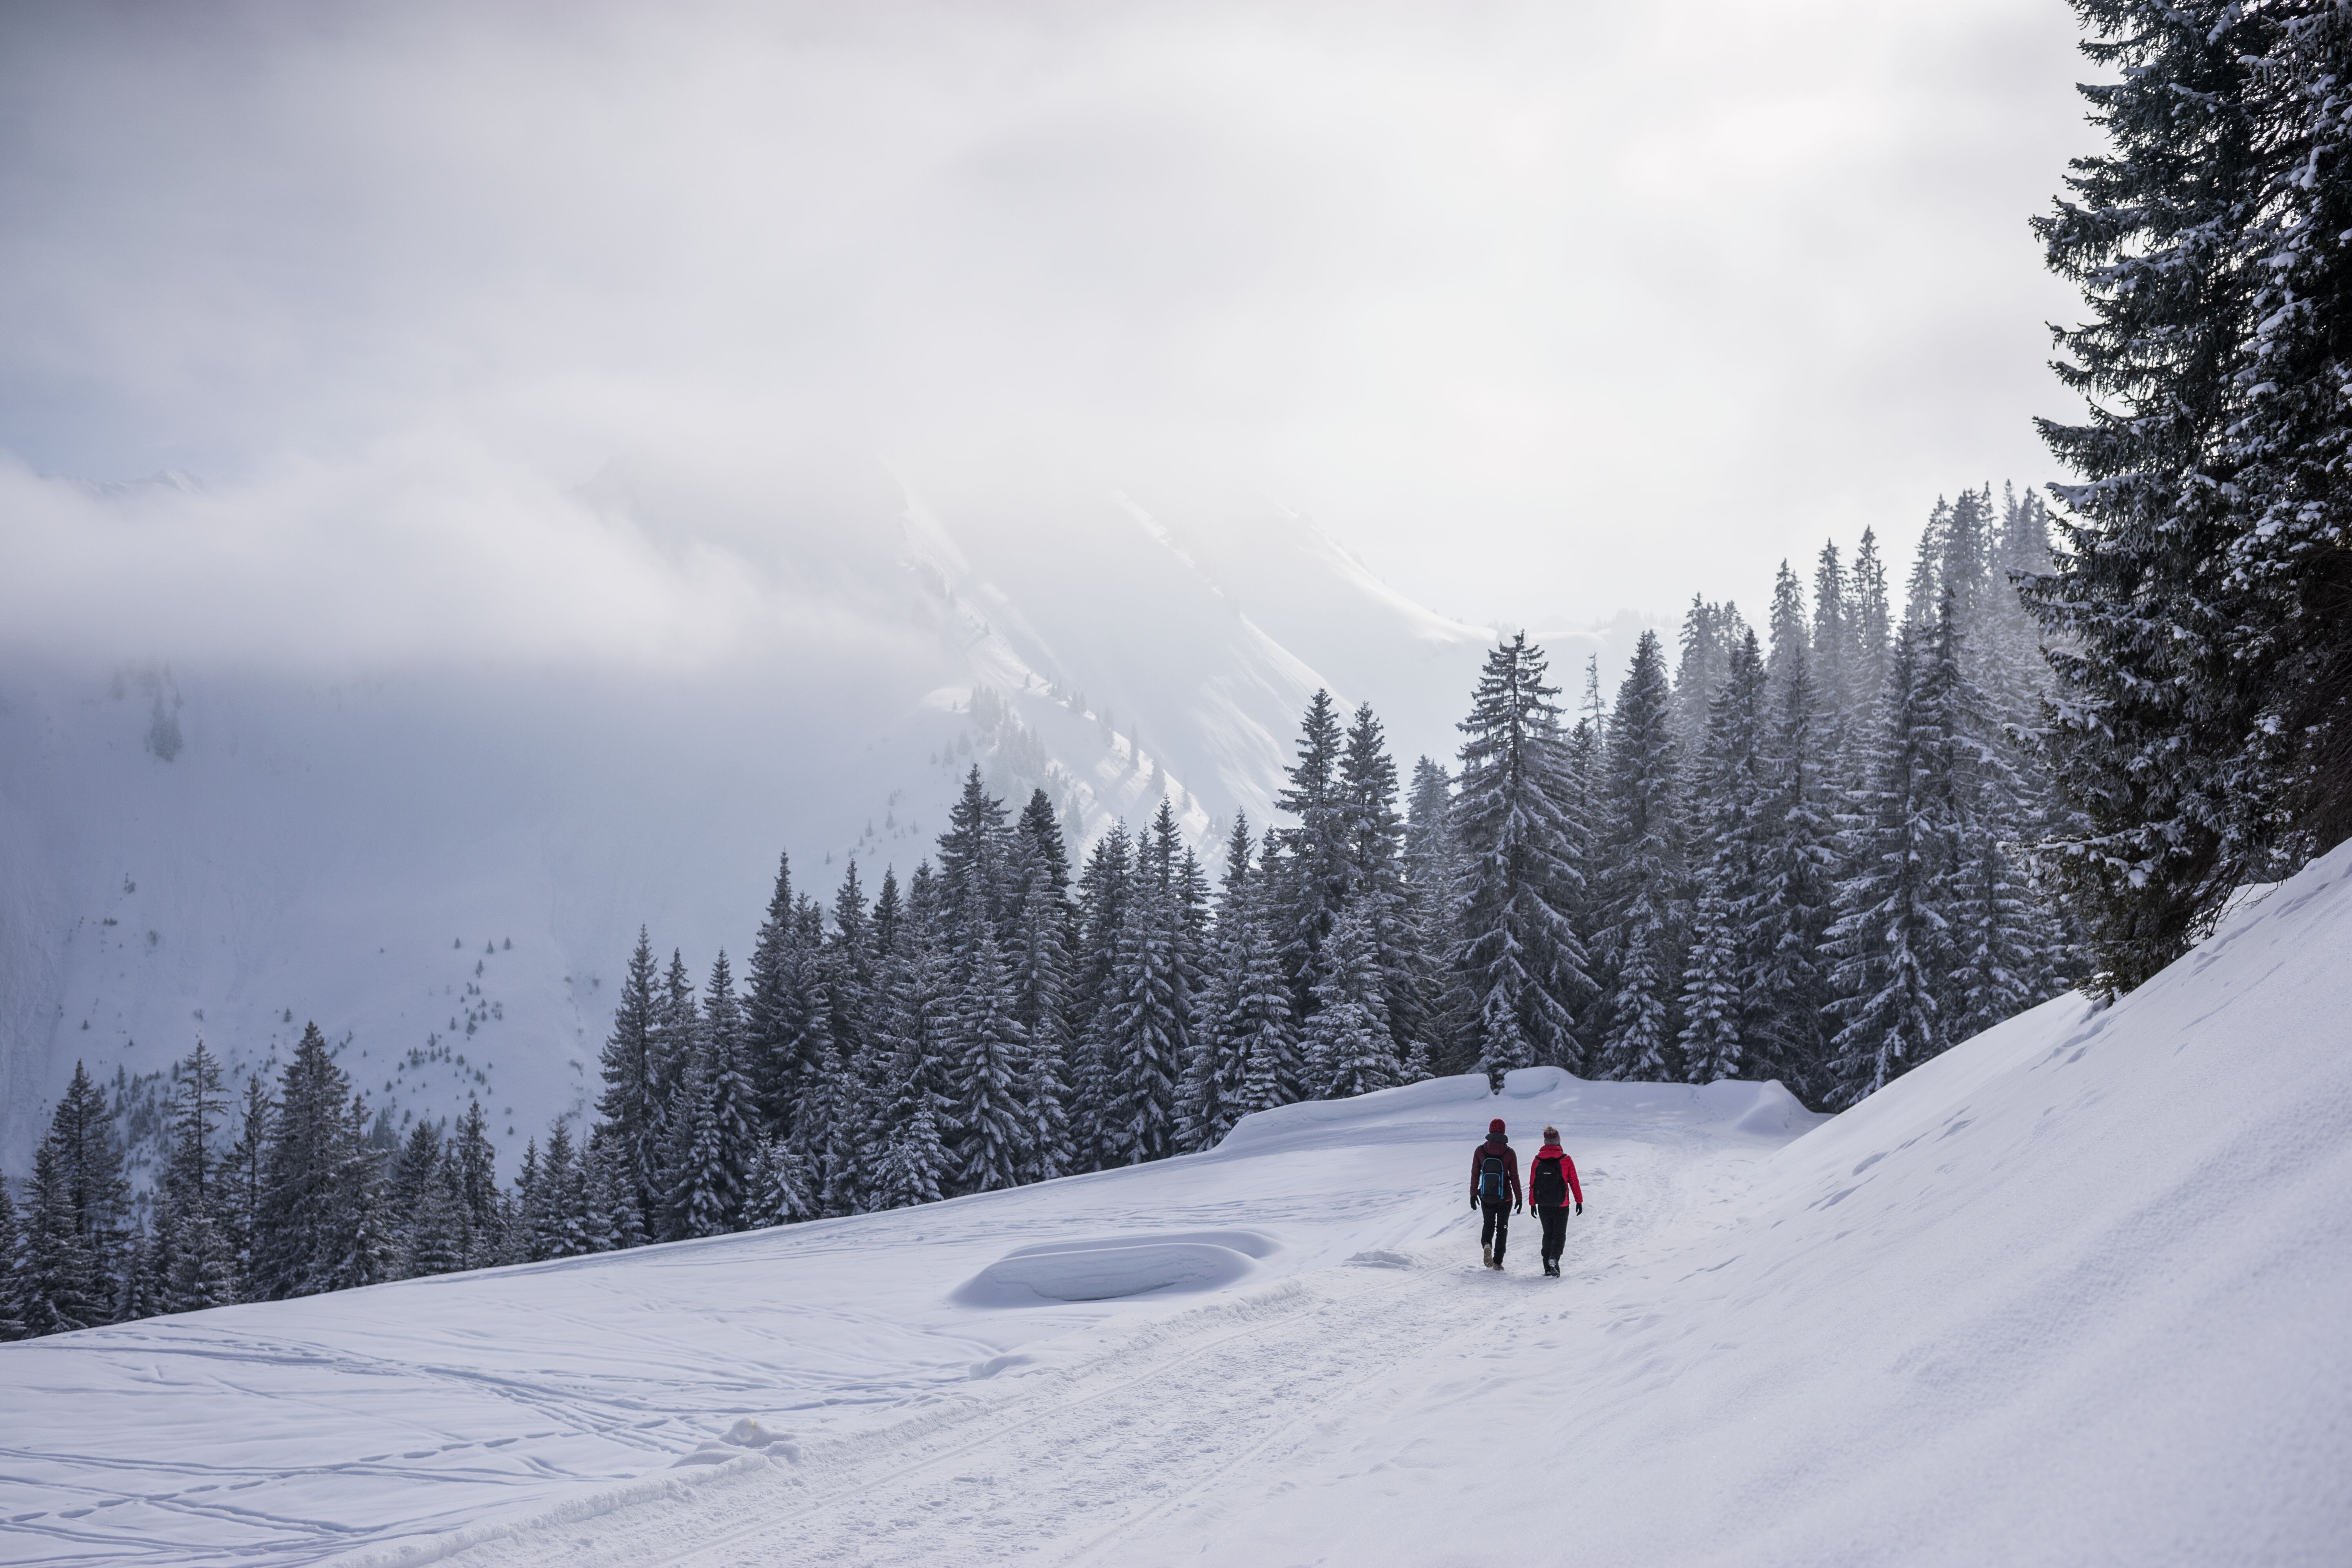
(1491, 1187)
(1547, 1184)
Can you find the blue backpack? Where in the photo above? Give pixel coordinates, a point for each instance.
(1491, 1188)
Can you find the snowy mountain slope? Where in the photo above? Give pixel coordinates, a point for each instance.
(206, 846)
(2072, 1293)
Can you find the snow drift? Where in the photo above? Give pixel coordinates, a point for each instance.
(2072, 1293)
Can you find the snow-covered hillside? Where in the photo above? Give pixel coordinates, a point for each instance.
(2071, 1293)
(444, 859)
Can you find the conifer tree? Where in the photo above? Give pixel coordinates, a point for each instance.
(1833, 645)
(1375, 884)
(296, 1248)
(631, 1103)
(1350, 1047)
(1305, 897)
(1640, 856)
(244, 1181)
(1520, 966)
(12, 1269)
(2201, 610)
(1786, 984)
(61, 1287)
(198, 1263)
(362, 1249)
(1145, 1036)
(780, 1051)
(1733, 834)
(1890, 937)
(696, 1160)
(734, 1112)
(987, 1064)
(1041, 933)
(916, 1003)
(434, 1240)
(1105, 891)
(475, 1160)
(1714, 1026)
(780, 1188)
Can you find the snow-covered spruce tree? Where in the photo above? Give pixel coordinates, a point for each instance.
(1832, 647)
(676, 1043)
(1350, 1047)
(1709, 633)
(12, 1269)
(1786, 986)
(1376, 880)
(1210, 1076)
(198, 1261)
(780, 1188)
(1042, 931)
(1303, 898)
(1870, 645)
(781, 1049)
(915, 1003)
(631, 1102)
(695, 1203)
(1640, 935)
(365, 1251)
(432, 1229)
(1433, 883)
(297, 1245)
(987, 1063)
(613, 1221)
(834, 1118)
(1732, 834)
(60, 1286)
(474, 1161)
(412, 1168)
(2289, 566)
(734, 1112)
(1891, 940)
(244, 1181)
(1104, 890)
(2160, 732)
(1145, 1042)
(973, 853)
(1520, 967)
(554, 1207)
(1714, 1027)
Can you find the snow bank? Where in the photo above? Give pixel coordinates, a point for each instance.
(1109, 1271)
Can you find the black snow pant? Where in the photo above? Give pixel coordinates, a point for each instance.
(1496, 1230)
(1554, 1219)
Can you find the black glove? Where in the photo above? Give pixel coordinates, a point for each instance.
(1580, 1208)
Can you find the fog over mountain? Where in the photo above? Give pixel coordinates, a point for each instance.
(470, 474)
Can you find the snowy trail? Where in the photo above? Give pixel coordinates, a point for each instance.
(1147, 1424)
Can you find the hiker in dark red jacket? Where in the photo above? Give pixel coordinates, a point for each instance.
(1552, 1182)
(1494, 1190)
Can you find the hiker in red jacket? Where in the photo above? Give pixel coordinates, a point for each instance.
(1552, 1182)
(1494, 1190)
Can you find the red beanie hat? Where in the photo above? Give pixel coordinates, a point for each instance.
(1495, 1128)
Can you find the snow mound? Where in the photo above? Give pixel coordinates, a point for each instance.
(1114, 1269)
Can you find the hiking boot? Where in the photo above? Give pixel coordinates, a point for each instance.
(1487, 1256)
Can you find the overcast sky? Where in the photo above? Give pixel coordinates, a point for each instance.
(1546, 309)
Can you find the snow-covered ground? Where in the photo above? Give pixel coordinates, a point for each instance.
(2073, 1293)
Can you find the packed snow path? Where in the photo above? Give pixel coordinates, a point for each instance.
(2072, 1293)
